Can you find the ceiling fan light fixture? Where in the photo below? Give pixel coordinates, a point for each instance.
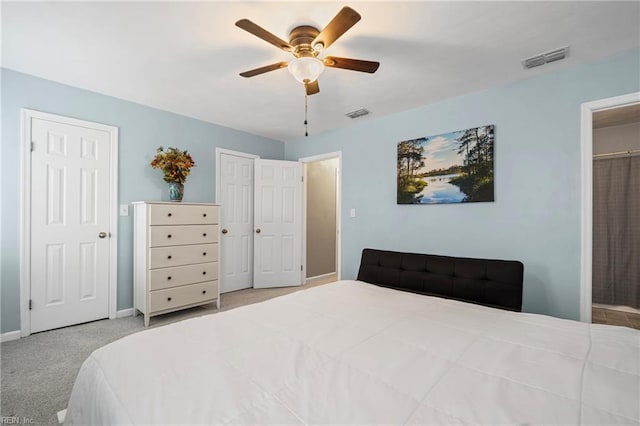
(306, 69)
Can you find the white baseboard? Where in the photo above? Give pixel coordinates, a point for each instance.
(124, 313)
(11, 335)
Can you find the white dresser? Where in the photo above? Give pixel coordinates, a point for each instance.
(175, 248)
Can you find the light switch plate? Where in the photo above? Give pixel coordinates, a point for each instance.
(124, 209)
(352, 212)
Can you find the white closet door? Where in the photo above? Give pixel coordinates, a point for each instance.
(70, 216)
(277, 223)
(236, 222)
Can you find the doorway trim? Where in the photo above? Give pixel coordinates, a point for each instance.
(311, 159)
(586, 175)
(25, 211)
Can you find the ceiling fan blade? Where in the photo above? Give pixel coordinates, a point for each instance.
(262, 70)
(260, 32)
(339, 25)
(312, 88)
(351, 64)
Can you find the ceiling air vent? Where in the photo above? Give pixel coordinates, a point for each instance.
(544, 58)
(358, 113)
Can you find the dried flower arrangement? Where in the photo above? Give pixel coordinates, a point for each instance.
(175, 164)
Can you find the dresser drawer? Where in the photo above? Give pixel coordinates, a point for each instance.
(185, 234)
(181, 296)
(181, 275)
(177, 214)
(163, 257)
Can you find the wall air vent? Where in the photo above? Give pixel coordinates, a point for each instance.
(545, 58)
(358, 113)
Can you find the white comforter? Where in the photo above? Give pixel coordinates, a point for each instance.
(354, 353)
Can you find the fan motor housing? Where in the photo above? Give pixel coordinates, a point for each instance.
(301, 38)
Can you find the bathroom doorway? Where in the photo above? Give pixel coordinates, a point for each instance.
(616, 216)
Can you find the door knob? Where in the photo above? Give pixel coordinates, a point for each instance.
(102, 235)
(224, 231)
(258, 231)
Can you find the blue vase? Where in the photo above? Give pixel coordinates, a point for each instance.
(176, 191)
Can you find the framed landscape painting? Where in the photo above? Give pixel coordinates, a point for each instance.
(455, 167)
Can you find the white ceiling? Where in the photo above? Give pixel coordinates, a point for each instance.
(185, 57)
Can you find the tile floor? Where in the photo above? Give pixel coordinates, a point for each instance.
(611, 317)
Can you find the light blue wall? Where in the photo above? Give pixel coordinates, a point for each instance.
(535, 217)
(536, 214)
(141, 130)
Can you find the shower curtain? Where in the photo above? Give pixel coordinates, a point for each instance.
(616, 231)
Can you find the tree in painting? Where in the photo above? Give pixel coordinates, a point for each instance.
(454, 167)
(476, 179)
(410, 160)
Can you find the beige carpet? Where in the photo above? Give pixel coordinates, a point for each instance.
(38, 371)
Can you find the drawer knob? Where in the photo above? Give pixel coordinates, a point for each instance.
(204, 215)
(204, 272)
(204, 234)
(169, 257)
(204, 254)
(169, 236)
(169, 278)
(169, 214)
(224, 231)
(168, 299)
(204, 291)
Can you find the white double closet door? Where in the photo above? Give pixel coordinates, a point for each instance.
(261, 222)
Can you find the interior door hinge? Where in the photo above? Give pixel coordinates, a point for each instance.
(30, 304)
(302, 178)
(301, 267)
(33, 146)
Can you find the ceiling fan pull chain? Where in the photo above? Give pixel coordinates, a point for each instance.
(306, 123)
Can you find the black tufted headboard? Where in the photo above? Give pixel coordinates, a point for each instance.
(494, 283)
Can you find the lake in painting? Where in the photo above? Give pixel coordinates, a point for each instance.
(440, 191)
(454, 167)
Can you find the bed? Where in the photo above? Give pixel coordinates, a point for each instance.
(356, 352)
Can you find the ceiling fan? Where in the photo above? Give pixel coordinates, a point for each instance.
(306, 43)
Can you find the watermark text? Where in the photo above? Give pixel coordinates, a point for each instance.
(15, 420)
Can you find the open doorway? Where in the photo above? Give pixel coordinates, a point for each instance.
(616, 216)
(610, 276)
(321, 254)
